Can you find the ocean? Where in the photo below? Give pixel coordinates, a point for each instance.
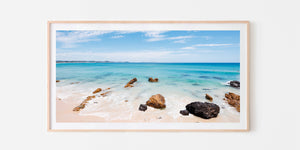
(179, 83)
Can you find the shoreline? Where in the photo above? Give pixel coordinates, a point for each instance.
(126, 112)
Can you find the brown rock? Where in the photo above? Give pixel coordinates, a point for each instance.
(105, 94)
(83, 103)
(208, 97)
(233, 100)
(57, 81)
(156, 101)
(153, 80)
(129, 84)
(78, 108)
(97, 90)
(126, 100)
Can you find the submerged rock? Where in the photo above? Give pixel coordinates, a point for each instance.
(74, 82)
(97, 90)
(204, 110)
(235, 84)
(233, 100)
(156, 101)
(184, 112)
(153, 80)
(143, 107)
(208, 97)
(129, 84)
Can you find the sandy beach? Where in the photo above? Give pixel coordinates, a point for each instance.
(105, 109)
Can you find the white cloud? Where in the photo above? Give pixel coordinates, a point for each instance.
(158, 36)
(199, 45)
(71, 39)
(117, 36)
(190, 47)
(205, 45)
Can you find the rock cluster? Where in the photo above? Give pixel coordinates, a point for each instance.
(204, 110)
(156, 101)
(129, 84)
(233, 100)
(153, 80)
(82, 105)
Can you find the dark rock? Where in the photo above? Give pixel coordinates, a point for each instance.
(57, 81)
(153, 80)
(129, 84)
(195, 84)
(208, 97)
(143, 107)
(235, 84)
(204, 110)
(156, 101)
(184, 112)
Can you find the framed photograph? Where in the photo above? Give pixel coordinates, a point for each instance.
(148, 76)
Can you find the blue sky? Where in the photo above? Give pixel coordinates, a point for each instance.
(149, 46)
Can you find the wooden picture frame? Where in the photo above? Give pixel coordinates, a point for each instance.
(54, 26)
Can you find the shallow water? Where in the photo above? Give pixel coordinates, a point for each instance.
(179, 83)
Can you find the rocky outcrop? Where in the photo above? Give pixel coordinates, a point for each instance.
(204, 110)
(156, 101)
(235, 84)
(233, 100)
(97, 90)
(129, 84)
(153, 80)
(208, 97)
(82, 105)
(143, 107)
(184, 112)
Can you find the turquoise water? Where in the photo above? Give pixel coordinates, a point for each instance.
(179, 83)
(188, 74)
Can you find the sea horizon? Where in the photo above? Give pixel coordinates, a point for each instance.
(94, 61)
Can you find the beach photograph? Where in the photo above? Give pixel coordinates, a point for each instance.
(157, 76)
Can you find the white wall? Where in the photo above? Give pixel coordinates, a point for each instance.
(275, 38)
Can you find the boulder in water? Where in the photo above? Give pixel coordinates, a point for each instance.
(129, 84)
(156, 101)
(235, 84)
(204, 110)
(153, 80)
